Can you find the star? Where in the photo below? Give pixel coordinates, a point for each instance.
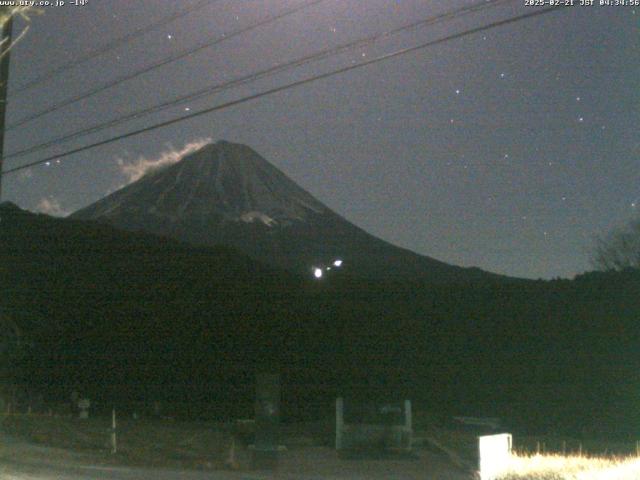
(577, 99)
(187, 109)
(458, 91)
(502, 75)
(581, 119)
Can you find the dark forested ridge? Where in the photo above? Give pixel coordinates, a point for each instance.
(133, 317)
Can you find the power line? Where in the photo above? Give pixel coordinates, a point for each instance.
(128, 38)
(261, 74)
(265, 93)
(161, 63)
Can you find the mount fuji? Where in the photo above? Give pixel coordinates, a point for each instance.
(227, 194)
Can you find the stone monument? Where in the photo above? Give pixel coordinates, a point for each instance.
(83, 406)
(267, 411)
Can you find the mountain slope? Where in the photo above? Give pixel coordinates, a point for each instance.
(227, 194)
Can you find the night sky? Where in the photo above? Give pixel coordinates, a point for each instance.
(508, 149)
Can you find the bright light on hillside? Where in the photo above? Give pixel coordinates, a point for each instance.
(337, 263)
(317, 272)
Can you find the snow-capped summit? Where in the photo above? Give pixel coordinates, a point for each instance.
(227, 194)
(222, 179)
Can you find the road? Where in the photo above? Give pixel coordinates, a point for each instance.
(21, 461)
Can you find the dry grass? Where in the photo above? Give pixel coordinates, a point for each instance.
(572, 467)
(605, 460)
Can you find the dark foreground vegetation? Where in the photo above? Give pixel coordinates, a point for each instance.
(132, 319)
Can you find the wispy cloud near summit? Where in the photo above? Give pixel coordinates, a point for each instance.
(143, 165)
(51, 206)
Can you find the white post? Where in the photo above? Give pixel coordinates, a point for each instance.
(114, 440)
(407, 415)
(339, 422)
(408, 422)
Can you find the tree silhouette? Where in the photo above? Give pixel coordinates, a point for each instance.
(620, 249)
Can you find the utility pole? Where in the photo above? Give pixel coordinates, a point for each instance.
(7, 28)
